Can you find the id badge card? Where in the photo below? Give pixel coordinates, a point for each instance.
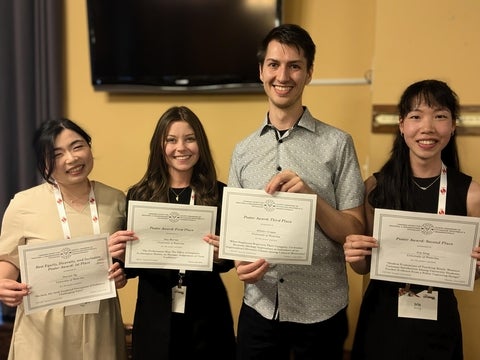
(423, 305)
(179, 294)
(86, 308)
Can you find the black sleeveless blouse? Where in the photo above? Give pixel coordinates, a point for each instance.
(380, 333)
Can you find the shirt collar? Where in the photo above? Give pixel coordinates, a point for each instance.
(306, 121)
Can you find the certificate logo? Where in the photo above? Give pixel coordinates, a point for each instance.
(427, 228)
(174, 217)
(65, 253)
(269, 205)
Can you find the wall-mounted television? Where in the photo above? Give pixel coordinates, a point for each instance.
(178, 46)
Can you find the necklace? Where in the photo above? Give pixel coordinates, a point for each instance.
(426, 187)
(76, 199)
(180, 193)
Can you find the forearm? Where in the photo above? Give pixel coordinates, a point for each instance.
(361, 267)
(338, 224)
(8, 271)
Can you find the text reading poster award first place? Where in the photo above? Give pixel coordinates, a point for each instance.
(170, 236)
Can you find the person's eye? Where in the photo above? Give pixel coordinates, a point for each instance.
(191, 139)
(170, 140)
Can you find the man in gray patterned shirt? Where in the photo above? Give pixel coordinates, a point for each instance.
(297, 309)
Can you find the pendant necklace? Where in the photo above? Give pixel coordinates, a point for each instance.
(426, 187)
(180, 193)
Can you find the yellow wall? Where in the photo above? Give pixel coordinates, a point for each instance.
(346, 37)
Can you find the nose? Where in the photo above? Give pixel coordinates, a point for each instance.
(282, 73)
(71, 157)
(427, 124)
(181, 145)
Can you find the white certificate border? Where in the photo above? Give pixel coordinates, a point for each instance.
(297, 197)
(380, 214)
(133, 205)
(24, 252)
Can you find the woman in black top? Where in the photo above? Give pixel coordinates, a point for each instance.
(423, 160)
(181, 170)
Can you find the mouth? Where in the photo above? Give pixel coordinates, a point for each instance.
(427, 142)
(282, 89)
(182, 157)
(75, 170)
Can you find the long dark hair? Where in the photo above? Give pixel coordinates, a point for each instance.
(44, 143)
(394, 187)
(154, 184)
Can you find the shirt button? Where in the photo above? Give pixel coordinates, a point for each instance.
(281, 280)
(280, 141)
(279, 168)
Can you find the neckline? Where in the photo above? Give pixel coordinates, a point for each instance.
(178, 195)
(425, 183)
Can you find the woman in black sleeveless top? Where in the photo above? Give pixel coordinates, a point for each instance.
(411, 180)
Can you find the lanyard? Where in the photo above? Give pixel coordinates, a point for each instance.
(442, 201)
(63, 215)
(181, 272)
(442, 192)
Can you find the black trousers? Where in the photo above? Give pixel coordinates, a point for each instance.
(264, 339)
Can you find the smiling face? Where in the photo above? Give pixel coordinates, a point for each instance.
(73, 159)
(284, 74)
(426, 131)
(181, 150)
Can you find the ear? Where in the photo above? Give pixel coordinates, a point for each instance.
(260, 72)
(454, 126)
(309, 75)
(400, 126)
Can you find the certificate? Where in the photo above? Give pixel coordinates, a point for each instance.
(66, 272)
(425, 249)
(170, 236)
(279, 228)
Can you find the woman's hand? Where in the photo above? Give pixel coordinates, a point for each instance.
(215, 241)
(476, 255)
(358, 251)
(117, 243)
(12, 292)
(357, 247)
(117, 273)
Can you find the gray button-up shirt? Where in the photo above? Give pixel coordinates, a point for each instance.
(325, 158)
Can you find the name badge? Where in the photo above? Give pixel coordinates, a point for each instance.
(86, 308)
(179, 294)
(423, 305)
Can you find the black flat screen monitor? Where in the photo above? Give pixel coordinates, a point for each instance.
(175, 46)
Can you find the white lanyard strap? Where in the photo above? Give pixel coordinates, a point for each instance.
(192, 198)
(442, 192)
(442, 201)
(63, 214)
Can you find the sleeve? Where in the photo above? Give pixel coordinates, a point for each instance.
(350, 188)
(234, 172)
(12, 233)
